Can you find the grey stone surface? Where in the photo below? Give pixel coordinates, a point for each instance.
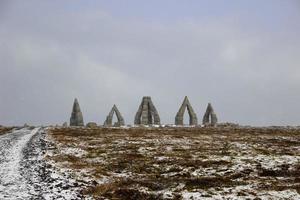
(76, 116)
(147, 113)
(210, 117)
(180, 113)
(109, 118)
(91, 125)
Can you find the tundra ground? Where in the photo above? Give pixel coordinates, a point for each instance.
(181, 163)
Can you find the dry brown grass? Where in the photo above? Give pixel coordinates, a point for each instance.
(180, 159)
(4, 130)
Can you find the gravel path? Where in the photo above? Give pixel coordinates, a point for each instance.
(25, 174)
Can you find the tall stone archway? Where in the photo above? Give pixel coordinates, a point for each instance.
(147, 113)
(180, 113)
(76, 116)
(109, 118)
(210, 117)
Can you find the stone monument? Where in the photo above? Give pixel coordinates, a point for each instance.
(109, 118)
(180, 113)
(210, 117)
(76, 116)
(147, 113)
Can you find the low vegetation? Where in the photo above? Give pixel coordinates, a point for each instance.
(4, 130)
(180, 163)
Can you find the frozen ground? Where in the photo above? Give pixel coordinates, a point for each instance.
(181, 163)
(24, 173)
(150, 163)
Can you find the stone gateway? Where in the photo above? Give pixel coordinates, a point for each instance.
(147, 113)
(109, 118)
(210, 117)
(180, 113)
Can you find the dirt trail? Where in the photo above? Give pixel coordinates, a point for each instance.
(25, 174)
(12, 183)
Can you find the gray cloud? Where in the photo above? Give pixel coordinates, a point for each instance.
(49, 55)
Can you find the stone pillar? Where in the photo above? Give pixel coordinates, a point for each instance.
(76, 116)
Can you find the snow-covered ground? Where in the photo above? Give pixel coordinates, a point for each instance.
(26, 174)
(150, 163)
(12, 183)
(182, 163)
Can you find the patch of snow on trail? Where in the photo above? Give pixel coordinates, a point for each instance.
(12, 184)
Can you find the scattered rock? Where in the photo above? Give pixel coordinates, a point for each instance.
(228, 124)
(91, 125)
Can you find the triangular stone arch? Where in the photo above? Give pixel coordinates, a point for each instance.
(180, 113)
(147, 113)
(109, 118)
(210, 117)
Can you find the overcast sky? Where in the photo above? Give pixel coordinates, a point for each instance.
(242, 56)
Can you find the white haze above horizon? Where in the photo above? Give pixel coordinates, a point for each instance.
(242, 56)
